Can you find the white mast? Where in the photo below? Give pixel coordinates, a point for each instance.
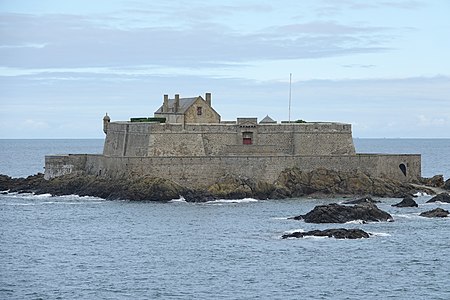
(290, 95)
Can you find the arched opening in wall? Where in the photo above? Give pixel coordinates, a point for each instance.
(247, 138)
(403, 168)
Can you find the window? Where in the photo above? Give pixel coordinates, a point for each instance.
(199, 111)
(247, 138)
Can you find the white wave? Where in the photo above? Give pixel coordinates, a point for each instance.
(313, 237)
(420, 194)
(378, 233)
(436, 203)
(294, 231)
(281, 218)
(181, 199)
(356, 222)
(245, 200)
(76, 197)
(71, 203)
(406, 216)
(19, 204)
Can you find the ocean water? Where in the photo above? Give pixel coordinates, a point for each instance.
(88, 248)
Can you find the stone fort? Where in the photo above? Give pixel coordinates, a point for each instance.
(187, 142)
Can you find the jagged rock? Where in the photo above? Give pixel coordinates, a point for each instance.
(230, 187)
(435, 213)
(361, 200)
(443, 197)
(329, 182)
(291, 183)
(406, 202)
(447, 185)
(335, 213)
(198, 196)
(340, 233)
(139, 188)
(435, 181)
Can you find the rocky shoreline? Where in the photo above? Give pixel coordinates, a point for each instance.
(291, 183)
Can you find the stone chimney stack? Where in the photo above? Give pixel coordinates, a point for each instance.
(166, 104)
(208, 98)
(177, 102)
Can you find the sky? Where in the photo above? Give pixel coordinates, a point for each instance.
(381, 65)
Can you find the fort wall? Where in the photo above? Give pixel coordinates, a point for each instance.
(161, 140)
(198, 172)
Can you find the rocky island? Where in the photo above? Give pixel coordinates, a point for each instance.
(186, 150)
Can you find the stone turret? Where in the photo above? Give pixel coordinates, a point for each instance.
(106, 120)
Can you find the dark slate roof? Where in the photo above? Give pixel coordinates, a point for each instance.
(185, 103)
(266, 120)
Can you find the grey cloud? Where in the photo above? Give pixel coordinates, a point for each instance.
(73, 41)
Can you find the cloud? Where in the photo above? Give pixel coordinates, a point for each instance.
(364, 66)
(332, 7)
(71, 41)
(434, 121)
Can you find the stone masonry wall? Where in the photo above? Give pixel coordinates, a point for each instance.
(203, 171)
(154, 139)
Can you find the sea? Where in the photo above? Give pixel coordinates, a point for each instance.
(73, 247)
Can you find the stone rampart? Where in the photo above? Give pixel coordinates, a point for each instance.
(154, 139)
(199, 172)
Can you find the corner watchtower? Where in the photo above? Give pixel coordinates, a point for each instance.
(106, 121)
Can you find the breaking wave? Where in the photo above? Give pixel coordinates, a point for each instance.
(229, 201)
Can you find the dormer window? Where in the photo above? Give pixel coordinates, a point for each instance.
(199, 110)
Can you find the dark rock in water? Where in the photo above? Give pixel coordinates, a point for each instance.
(443, 197)
(435, 181)
(198, 196)
(435, 213)
(407, 202)
(447, 185)
(361, 200)
(335, 213)
(340, 233)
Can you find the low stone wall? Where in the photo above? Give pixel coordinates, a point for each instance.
(203, 171)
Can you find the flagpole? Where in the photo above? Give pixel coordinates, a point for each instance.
(290, 95)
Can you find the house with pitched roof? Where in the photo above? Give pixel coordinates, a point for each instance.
(194, 110)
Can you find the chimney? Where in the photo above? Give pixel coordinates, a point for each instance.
(177, 102)
(208, 98)
(166, 104)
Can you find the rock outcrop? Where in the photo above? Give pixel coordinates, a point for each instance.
(290, 183)
(361, 200)
(435, 213)
(447, 185)
(339, 233)
(296, 183)
(443, 197)
(406, 202)
(142, 188)
(435, 181)
(335, 213)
